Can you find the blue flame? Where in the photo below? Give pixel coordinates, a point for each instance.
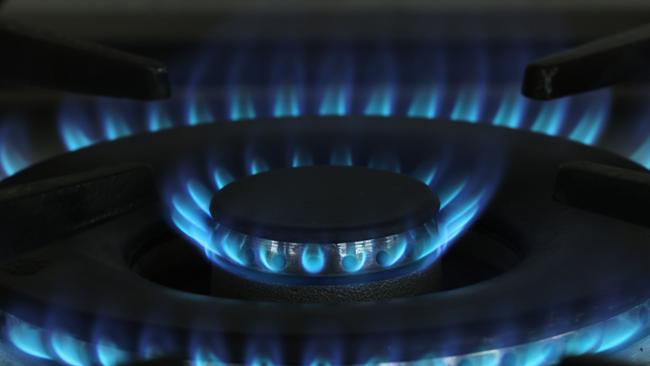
(157, 118)
(335, 101)
(12, 157)
(387, 258)
(589, 126)
(584, 340)
(436, 243)
(341, 156)
(469, 103)
(231, 244)
(642, 154)
(85, 123)
(206, 358)
(198, 233)
(70, 350)
(336, 76)
(511, 109)
(320, 362)
(241, 105)
(550, 118)
(450, 193)
(286, 102)
(221, 178)
(189, 220)
(381, 101)
(72, 126)
(56, 345)
(187, 210)
(115, 126)
(354, 262)
(426, 173)
(594, 118)
(261, 361)
(381, 76)
(73, 137)
(619, 330)
(257, 165)
(470, 99)
(458, 213)
(287, 75)
(274, 263)
(154, 344)
(110, 355)
(301, 157)
(27, 338)
(425, 103)
(385, 161)
(198, 111)
(313, 258)
(200, 194)
(452, 89)
(604, 336)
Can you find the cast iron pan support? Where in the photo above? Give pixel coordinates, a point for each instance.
(39, 58)
(33, 214)
(619, 58)
(606, 190)
(611, 191)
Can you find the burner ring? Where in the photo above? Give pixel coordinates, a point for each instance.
(291, 221)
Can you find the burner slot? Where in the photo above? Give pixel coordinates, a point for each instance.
(33, 214)
(612, 191)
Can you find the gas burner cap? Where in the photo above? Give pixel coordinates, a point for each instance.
(325, 220)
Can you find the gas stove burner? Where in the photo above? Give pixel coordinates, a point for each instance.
(325, 220)
(297, 237)
(328, 214)
(146, 292)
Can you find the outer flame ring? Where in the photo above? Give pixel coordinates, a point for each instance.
(609, 334)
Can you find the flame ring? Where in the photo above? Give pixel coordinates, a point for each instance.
(272, 256)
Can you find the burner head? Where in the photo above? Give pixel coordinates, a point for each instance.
(325, 220)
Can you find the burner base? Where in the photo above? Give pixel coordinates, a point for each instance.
(166, 259)
(415, 282)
